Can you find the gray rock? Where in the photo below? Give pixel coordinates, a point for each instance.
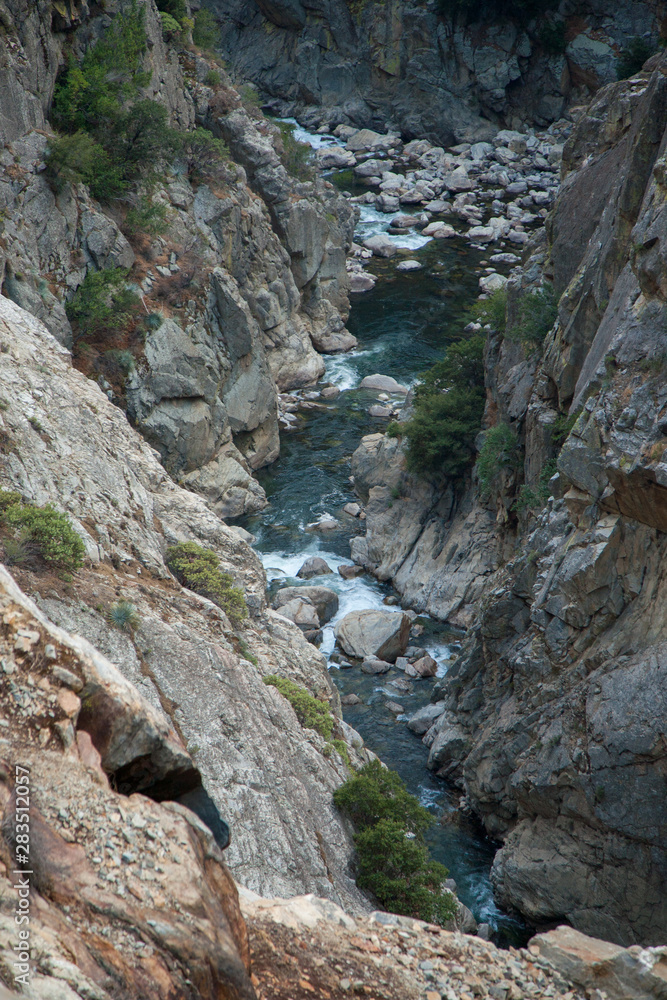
(381, 634)
(375, 666)
(381, 246)
(384, 383)
(324, 600)
(314, 566)
(423, 719)
(394, 707)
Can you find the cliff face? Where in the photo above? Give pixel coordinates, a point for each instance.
(555, 711)
(245, 280)
(423, 70)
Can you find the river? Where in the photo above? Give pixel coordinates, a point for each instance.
(403, 326)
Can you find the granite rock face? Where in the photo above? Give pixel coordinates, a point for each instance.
(268, 777)
(247, 281)
(421, 71)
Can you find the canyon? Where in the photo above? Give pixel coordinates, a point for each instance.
(528, 663)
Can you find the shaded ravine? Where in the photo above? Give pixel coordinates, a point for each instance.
(403, 326)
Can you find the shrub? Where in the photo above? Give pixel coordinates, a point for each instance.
(498, 452)
(297, 157)
(123, 615)
(341, 747)
(79, 159)
(534, 498)
(562, 426)
(311, 712)
(102, 303)
(44, 529)
(212, 78)
(633, 57)
(394, 429)
(203, 152)
(537, 314)
(170, 26)
(392, 859)
(491, 310)
(449, 403)
(174, 8)
(147, 217)
(199, 570)
(206, 33)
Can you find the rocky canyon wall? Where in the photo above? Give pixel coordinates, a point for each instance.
(425, 69)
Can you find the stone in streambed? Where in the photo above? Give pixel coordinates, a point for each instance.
(353, 509)
(350, 572)
(381, 246)
(374, 666)
(376, 410)
(350, 699)
(302, 612)
(315, 566)
(373, 634)
(325, 523)
(424, 718)
(409, 265)
(394, 707)
(385, 383)
(426, 666)
(324, 600)
(360, 281)
(330, 392)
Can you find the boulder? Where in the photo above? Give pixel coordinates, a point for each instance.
(334, 156)
(350, 572)
(394, 707)
(381, 246)
(301, 612)
(424, 718)
(325, 523)
(315, 566)
(426, 666)
(409, 265)
(370, 168)
(379, 634)
(493, 282)
(324, 600)
(360, 281)
(374, 666)
(384, 383)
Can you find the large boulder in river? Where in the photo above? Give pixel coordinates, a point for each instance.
(301, 612)
(324, 600)
(380, 246)
(315, 566)
(382, 635)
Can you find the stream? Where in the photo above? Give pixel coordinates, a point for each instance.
(403, 326)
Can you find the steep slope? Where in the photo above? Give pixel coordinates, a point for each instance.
(438, 71)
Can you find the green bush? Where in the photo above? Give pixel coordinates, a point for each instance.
(102, 303)
(448, 408)
(204, 153)
(491, 310)
(174, 8)
(562, 426)
(206, 32)
(297, 157)
(534, 498)
(538, 312)
(392, 859)
(44, 529)
(97, 98)
(123, 615)
(498, 452)
(633, 57)
(311, 712)
(147, 217)
(199, 570)
(170, 26)
(212, 78)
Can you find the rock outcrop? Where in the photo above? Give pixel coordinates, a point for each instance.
(244, 285)
(422, 69)
(65, 443)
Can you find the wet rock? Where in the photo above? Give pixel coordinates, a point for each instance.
(353, 509)
(426, 666)
(361, 281)
(394, 707)
(330, 392)
(381, 634)
(325, 523)
(375, 666)
(384, 383)
(329, 157)
(381, 246)
(324, 600)
(302, 612)
(409, 265)
(424, 718)
(314, 566)
(350, 572)
(350, 699)
(376, 410)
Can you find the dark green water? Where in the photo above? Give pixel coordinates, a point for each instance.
(403, 326)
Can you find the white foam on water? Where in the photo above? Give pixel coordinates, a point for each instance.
(372, 222)
(311, 138)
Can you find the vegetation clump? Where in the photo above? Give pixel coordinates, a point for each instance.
(297, 157)
(498, 452)
(206, 32)
(449, 402)
(44, 531)
(537, 314)
(392, 859)
(199, 569)
(123, 615)
(535, 497)
(311, 712)
(102, 304)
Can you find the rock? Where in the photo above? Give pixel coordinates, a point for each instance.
(325, 523)
(458, 180)
(394, 707)
(402, 662)
(300, 611)
(385, 383)
(324, 600)
(369, 168)
(350, 699)
(350, 572)
(492, 282)
(330, 392)
(381, 634)
(484, 931)
(423, 719)
(381, 246)
(361, 281)
(592, 964)
(314, 566)
(375, 666)
(409, 265)
(330, 157)
(384, 412)
(353, 509)
(426, 666)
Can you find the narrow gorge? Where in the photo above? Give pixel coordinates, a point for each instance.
(332, 424)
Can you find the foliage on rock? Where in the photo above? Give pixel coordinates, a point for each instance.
(43, 530)
(199, 569)
(311, 712)
(498, 452)
(392, 859)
